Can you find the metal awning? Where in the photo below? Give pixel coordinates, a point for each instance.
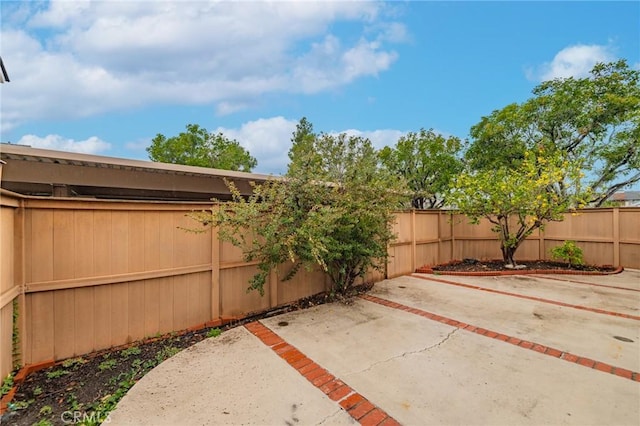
(33, 171)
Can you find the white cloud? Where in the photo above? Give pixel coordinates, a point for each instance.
(92, 145)
(573, 61)
(379, 138)
(269, 140)
(105, 56)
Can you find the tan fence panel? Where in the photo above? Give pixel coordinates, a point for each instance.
(591, 224)
(73, 322)
(427, 234)
(400, 262)
(402, 228)
(236, 301)
(303, 284)
(629, 237)
(64, 244)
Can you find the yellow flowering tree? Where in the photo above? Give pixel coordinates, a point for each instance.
(593, 119)
(519, 200)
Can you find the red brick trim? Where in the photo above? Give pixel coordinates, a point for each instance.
(546, 350)
(591, 284)
(356, 405)
(428, 270)
(537, 299)
(19, 378)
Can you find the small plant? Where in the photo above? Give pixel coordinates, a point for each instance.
(133, 350)
(46, 410)
(19, 405)
(43, 422)
(56, 373)
(214, 332)
(72, 400)
(73, 362)
(166, 353)
(37, 391)
(569, 252)
(7, 384)
(107, 364)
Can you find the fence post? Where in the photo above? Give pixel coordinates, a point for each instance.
(20, 277)
(453, 237)
(616, 236)
(541, 251)
(273, 288)
(215, 272)
(413, 240)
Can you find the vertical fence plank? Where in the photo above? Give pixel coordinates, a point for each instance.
(84, 312)
(102, 316)
(136, 310)
(120, 314)
(616, 236)
(63, 244)
(215, 274)
(63, 323)
(413, 240)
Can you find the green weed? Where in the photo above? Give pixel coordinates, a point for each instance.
(214, 332)
(107, 364)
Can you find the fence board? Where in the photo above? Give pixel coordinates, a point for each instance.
(63, 324)
(102, 321)
(83, 320)
(84, 260)
(6, 333)
(102, 243)
(120, 314)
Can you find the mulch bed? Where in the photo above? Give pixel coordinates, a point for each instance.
(497, 267)
(84, 389)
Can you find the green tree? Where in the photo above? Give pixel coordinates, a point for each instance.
(428, 162)
(595, 120)
(517, 201)
(333, 210)
(302, 141)
(198, 147)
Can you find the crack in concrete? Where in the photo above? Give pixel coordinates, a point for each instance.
(330, 419)
(426, 349)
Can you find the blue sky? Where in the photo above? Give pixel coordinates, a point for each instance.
(106, 77)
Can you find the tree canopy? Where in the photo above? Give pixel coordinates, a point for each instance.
(332, 210)
(595, 120)
(517, 200)
(428, 162)
(198, 147)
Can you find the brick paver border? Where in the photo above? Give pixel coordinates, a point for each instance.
(358, 407)
(537, 299)
(525, 344)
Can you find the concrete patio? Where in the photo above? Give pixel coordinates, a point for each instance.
(420, 349)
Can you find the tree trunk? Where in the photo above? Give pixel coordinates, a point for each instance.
(507, 254)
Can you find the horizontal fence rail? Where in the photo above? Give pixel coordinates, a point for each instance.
(81, 275)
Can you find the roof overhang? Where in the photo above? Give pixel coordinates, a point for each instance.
(33, 171)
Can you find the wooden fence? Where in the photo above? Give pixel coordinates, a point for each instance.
(85, 275)
(607, 236)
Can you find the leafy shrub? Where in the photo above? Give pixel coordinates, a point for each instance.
(569, 252)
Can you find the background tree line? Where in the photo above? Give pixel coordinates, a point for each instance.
(573, 143)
